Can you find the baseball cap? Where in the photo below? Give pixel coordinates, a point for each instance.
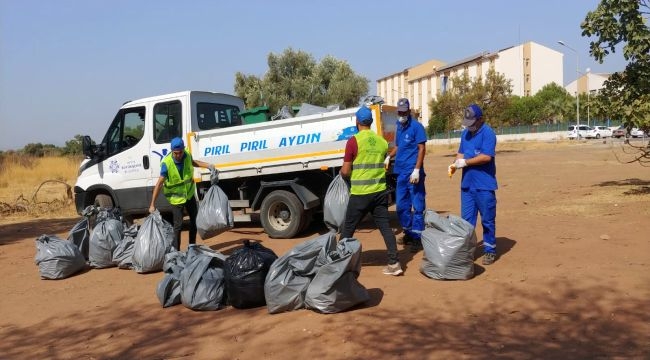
(177, 144)
(403, 104)
(364, 115)
(472, 113)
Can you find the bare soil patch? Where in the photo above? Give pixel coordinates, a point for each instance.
(572, 281)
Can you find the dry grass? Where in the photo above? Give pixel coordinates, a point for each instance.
(36, 187)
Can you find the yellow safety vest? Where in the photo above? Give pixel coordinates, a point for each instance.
(368, 174)
(178, 190)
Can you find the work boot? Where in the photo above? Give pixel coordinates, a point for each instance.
(416, 245)
(489, 258)
(405, 240)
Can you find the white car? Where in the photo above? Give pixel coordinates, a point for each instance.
(598, 132)
(582, 131)
(634, 132)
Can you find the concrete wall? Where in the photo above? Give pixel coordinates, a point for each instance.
(546, 136)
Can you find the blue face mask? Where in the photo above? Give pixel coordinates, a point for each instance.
(402, 119)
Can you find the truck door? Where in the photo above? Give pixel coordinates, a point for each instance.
(126, 168)
(167, 124)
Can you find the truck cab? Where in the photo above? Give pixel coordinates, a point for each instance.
(122, 170)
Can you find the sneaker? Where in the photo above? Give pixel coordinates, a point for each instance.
(489, 258)
(405, 240)
(394, 269)
(416, 245)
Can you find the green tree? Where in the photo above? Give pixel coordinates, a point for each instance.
(74, 146)
(492, 94)
(554, 103)
(294, 77)
(616, 23)
(34, 149)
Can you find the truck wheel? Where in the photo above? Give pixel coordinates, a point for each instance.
(104, 201)
(281, 214)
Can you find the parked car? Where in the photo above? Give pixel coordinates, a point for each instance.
(598, 132)
(620, 132)
(581, 132)
(636, 133)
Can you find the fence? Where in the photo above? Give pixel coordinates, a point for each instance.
(529, 129)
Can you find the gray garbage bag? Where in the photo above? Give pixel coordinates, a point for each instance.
(215, 214)
(336, 203)
(449, 243)
(168, 290)
(57, 258)
(335, 287)
(123, 253)
(289, 277)
(203, 279)
(103, 240)
(154, 240)
(80, 232)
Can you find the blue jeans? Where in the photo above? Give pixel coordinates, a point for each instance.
(410, 202)
(473, 202)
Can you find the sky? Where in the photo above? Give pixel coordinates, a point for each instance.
(66, 66)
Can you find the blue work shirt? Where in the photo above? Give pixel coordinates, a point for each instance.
(484, 141)
(407, 138)
(179, 166)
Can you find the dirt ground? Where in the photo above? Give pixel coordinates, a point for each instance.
(572, 281)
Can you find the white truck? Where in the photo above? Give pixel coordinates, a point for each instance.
(279, 168)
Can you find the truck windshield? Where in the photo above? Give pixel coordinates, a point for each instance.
(216, 116)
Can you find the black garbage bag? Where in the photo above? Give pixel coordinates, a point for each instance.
(246, 269)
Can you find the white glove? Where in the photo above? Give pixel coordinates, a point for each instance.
(415, 176)
(387, 162)
(460, 163)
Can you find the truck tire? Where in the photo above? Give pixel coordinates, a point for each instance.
(104, 201)
(282, 214)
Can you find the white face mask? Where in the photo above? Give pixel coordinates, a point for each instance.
(402, 119)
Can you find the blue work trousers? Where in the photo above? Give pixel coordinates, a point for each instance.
(411, 203)
(473, 202)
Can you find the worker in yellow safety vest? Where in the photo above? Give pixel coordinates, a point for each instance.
(177, 181)
(363, 164)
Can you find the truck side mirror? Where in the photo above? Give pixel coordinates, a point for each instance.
(86, 146)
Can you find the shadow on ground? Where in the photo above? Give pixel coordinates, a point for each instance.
(31, 229)
(567, 323)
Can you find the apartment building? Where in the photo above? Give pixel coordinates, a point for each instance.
(587, 82)
(529, 66)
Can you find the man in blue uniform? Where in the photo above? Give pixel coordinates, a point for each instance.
(409, 150)
(479, 183)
